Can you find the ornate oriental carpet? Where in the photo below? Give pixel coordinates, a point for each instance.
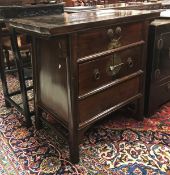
(115, 146)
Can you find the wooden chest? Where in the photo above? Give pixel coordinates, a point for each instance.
(158, 67)
(108, 67)
(86, 66)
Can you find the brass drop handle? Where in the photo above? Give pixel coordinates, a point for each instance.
(96, 74)
(130, 62)
(110, 33)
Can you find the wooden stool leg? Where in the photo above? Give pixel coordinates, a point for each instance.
(2, 74)
(4, 81)
(38, 122)
(6, 52)
(18, 58)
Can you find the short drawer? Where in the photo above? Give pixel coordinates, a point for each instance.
(105, 69)
(98, 103)
(97, 40)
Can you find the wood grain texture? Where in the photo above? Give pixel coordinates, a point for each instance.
(19, 11)
(76, 94)
(104, 100)
(66, 23)
(87, 79)
(98, 40)
(158, 72)
(53, 76)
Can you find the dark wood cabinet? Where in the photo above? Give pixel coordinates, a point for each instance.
(158, 67)
(87, 65)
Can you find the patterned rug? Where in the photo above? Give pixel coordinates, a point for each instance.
(115, 146)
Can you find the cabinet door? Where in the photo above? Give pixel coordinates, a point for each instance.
(162, 61)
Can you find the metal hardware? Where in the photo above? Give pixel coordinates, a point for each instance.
(160, 43)
(114, 43)
(118, 30)
(114, 65)
(115, 37)
(59, 66)
(157, 74)
(96, 74)
(110, 33)
(130, 62)
(59, 45)
(115, 69)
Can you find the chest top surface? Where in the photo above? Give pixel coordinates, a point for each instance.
(67, 23)
(21, 11)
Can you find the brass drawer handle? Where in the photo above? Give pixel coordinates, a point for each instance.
(115, 69)
(96, 74)
(114, 37)
(114, 43)
(130, 62)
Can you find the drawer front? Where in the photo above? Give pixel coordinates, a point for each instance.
(105, 69)
(104, 100)
(102, 39)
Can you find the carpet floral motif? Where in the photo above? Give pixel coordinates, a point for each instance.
(118, 145)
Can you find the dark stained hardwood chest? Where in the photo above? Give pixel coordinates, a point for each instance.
(87, 65)
(158, 67)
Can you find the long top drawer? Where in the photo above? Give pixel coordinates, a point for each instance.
(93, 41)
